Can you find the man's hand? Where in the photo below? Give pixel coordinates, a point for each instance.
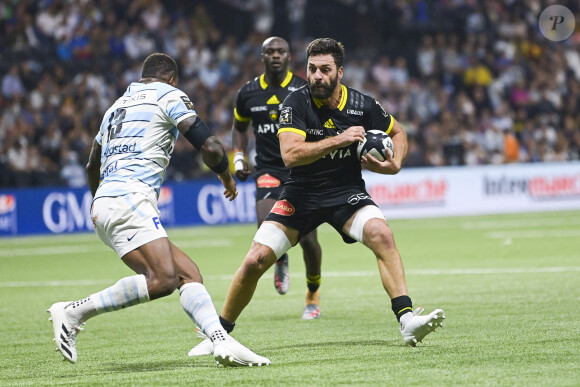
(388, 167)
(352, 134)
(242, 174)
(230, 185)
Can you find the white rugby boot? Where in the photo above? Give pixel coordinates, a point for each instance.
(229, 353)
(415, 327)
(311, 312)
(203, 348)
(65, 333)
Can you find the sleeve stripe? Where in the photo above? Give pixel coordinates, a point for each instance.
(241, 118)
(293, 130)
(170, 91)
(390, 124)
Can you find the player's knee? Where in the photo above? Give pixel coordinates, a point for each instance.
(378, 234)
(259, 259)
(162, 284)
(367, 222)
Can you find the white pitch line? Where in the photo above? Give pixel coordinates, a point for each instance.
(78, 249)
(54, 250)
(533, 234)
(332, 274)
(518, 223)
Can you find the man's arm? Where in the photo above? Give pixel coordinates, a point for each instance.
(240, 145)
(296, 151)
(392, 164)
(94, 167)
(212, 151)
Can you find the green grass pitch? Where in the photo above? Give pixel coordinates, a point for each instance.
(509, 285)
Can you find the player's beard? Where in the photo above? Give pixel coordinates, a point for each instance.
(321, 90)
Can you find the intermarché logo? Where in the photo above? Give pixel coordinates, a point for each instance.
(557, 23)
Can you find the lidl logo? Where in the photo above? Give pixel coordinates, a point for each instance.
(165, 196)
(7, 204)
(8, 219)
(167, 205)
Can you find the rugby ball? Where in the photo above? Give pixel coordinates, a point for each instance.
(377, 143)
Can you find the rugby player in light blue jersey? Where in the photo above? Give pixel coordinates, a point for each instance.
(126, 168)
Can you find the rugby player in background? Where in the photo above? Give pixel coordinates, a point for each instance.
(259, 101)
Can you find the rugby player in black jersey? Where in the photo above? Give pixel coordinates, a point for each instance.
(259, 101)
(320, 125)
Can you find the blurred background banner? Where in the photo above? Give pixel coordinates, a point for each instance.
(418, 193)
(66, 210)
(453, 191)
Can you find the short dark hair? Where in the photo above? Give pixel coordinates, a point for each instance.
(159, 65)
(324, 46)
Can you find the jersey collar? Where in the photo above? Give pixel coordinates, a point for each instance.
(342, 103)
(284, 83)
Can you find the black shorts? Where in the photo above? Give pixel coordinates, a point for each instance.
(269, 184)
(303, 210)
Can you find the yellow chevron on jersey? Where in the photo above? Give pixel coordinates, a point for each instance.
(284, 83)
(341, 104)
(329, 124)
(343, 97)
(273, 100)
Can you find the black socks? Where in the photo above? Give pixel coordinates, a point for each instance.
(401, 305)
(228, 326)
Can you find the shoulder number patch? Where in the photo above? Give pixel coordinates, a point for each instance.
(187, 102)
(286, 116)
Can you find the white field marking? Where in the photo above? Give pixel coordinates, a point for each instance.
(203, 243)
(79, 249)
(205, 231)
(332, 274)
(567, 233)
(31, 284)
(52, 250)
(519, 223)
(537, 219)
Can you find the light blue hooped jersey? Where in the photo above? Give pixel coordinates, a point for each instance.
(137, 137)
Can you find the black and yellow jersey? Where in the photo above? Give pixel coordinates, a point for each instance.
(259, 102)
(307, 116)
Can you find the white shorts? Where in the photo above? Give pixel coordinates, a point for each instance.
(127, 222)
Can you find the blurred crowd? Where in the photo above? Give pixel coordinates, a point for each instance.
(473, 82)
